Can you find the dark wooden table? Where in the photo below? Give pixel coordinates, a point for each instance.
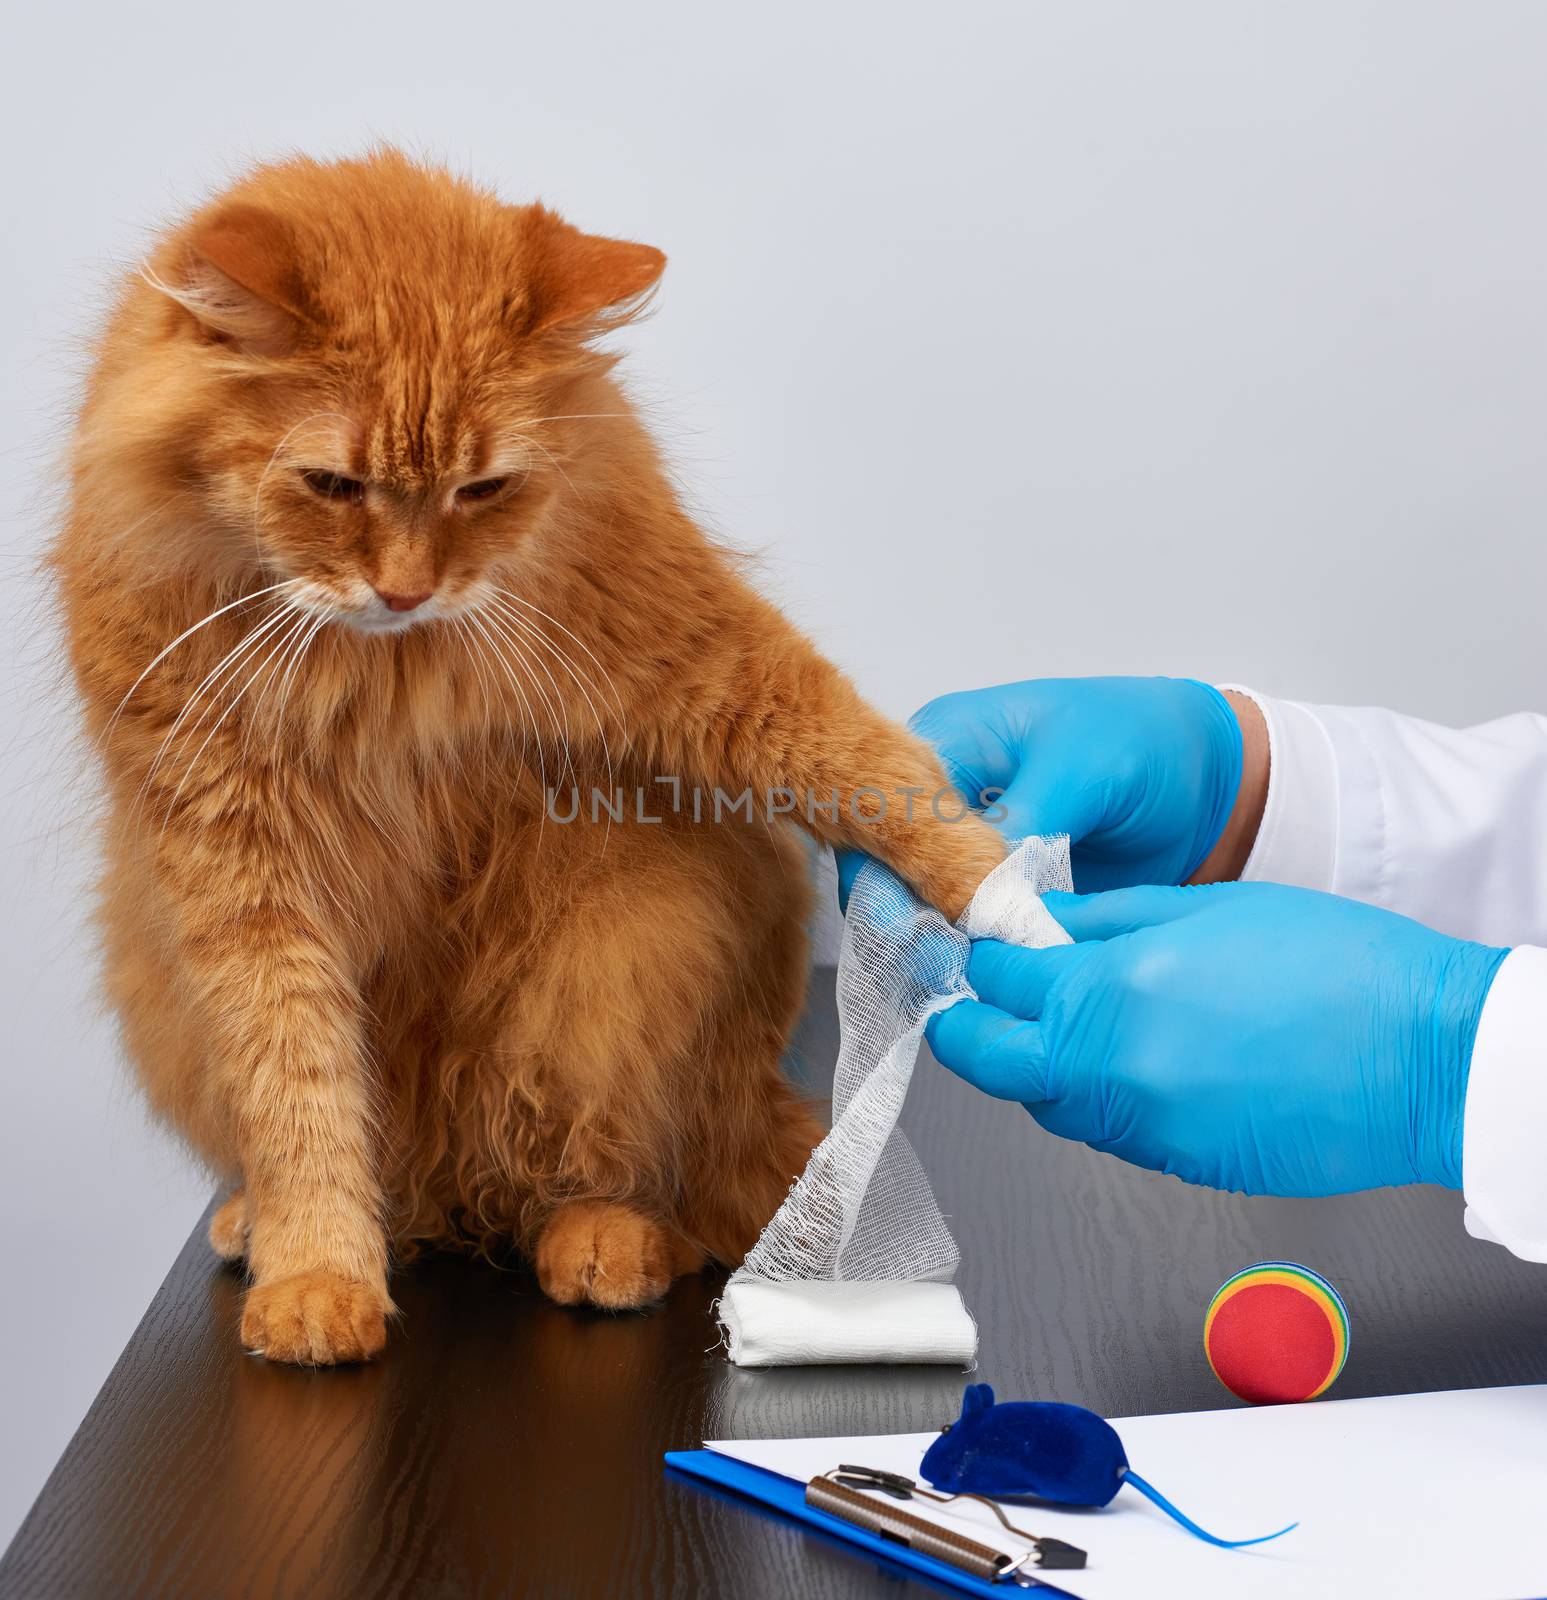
(504, 1446)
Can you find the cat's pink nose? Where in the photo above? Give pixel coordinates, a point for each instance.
(403, 602)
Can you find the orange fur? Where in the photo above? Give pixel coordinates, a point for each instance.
(356, 963)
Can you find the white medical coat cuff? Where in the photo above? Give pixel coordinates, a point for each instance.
(1297, 841)
(1445, 825)
(1504, 1136)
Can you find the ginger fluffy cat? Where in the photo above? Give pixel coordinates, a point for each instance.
(362, 534)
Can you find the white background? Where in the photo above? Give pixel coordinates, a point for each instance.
(1022, 340)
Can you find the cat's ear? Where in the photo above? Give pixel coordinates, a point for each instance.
(575, 278)
(241, 281)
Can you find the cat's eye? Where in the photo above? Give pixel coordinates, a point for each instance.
(484, 489)
(333, 485)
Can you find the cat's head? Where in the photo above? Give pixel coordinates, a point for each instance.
(364, 373)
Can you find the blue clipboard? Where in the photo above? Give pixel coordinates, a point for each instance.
(788, 1497)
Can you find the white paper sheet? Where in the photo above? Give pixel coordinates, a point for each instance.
(1431, 1495)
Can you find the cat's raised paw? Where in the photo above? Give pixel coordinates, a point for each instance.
(228, 1228)
(314, 1319)
(603, 1254)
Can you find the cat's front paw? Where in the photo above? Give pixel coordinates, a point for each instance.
(228, 1228)
(315, 1319)
(947, 864)
(608, 1255)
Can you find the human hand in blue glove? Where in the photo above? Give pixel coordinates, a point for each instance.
(1246, 1036)
(1143, 774)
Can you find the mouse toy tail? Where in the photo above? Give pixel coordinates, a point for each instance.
(1152, 1493)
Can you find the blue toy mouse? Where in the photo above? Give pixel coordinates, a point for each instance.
(1038, 1449)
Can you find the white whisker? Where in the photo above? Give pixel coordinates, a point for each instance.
(558, 712)
(475, 660)
(292, 635)
(219, 671)
(227, 663)
(537, 444)
(480, 624)
(188, 633)
(535, 631)
(121, 534)
(617, 702)
(188, 771)
(486, 679)
(323, 617)
(574, 416)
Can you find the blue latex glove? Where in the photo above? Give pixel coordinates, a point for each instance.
(1246, 1036)
(1141, 773)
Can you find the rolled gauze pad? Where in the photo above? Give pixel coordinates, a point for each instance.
(856, 1265)
(799, 1324)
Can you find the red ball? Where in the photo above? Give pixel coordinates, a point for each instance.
(1276, 1333)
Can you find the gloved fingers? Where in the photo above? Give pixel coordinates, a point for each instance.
(887, 904)
(1000, 1054)
(1041, 799)
(1118, 911)
(890, 902)
(980, 749)
(1015, 980)
(973, 746)
(1068, 1119)
(990, 760)
(898, 923)
(849, 863)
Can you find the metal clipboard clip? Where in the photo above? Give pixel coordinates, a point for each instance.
(838, 1494)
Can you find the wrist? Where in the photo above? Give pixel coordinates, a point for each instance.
(1227, 858)
(1458, 993)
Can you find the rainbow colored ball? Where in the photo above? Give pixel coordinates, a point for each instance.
(1275, 1333)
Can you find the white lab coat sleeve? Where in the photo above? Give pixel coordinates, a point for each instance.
(1504, 1128)
(1448, 826)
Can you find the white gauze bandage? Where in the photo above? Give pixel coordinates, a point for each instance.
(856, 1265)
